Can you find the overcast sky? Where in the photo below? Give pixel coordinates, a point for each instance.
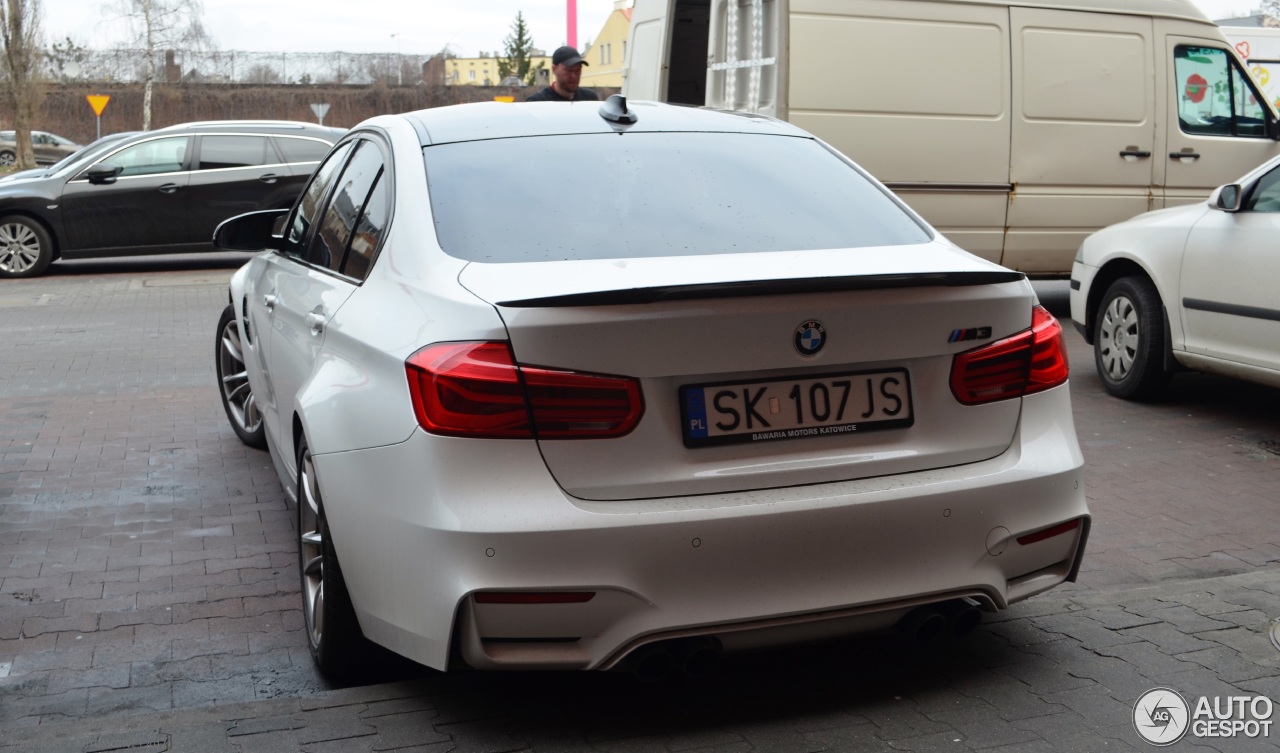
(419, 26)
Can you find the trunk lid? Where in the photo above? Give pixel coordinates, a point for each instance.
(734, 323)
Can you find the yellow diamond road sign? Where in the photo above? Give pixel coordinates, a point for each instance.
(98, 102)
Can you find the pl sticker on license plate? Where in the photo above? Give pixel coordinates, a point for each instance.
(795, 408)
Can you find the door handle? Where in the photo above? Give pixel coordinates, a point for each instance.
(269, 302)
(169, 188)
(316, 321)
(1135, 152)
(1184, 155)
(269, 178)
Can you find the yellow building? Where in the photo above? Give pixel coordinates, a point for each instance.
(483, 71)
(607, 56)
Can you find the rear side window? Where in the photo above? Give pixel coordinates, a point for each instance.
(1215, 97)
(219, 152)
(605, 196)
(302, 150)
(151, 157)
(339, 227)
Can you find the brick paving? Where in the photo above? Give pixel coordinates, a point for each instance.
(148, 583)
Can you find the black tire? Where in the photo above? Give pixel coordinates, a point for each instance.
(1129, 345)
(8, 158)
(233, 381)
(26, 248)
(333, 633)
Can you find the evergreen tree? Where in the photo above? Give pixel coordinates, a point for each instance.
(516, 61)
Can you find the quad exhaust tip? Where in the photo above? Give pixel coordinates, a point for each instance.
(692, 657)
(957, 618)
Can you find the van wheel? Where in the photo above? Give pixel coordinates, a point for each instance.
(26, 248)
(1129, 346)
(333, 633)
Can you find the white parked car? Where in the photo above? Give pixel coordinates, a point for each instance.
(608, 385)
(1191, 287)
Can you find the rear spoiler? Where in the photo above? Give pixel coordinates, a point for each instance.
(767, 287)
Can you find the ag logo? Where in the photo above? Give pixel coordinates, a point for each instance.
(1161, 716)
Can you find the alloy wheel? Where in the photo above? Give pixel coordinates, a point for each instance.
(241, 405)
(19, 248)
(311, 548)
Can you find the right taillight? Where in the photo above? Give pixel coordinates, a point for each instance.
(1025, 363)
(476, 389)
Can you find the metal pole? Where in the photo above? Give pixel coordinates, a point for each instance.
(399, 62)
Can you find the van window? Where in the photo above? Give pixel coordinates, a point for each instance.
(1215, 97)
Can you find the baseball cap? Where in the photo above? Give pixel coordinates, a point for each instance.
(568, 56)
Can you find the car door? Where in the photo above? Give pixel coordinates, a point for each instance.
(143, 206)
(233, 174)
(1229, 272)
(307, 283)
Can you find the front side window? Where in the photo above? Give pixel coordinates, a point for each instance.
(605, 196)
(220, 152)
(1215, 97)
(308, 211)
(1266, 194)
(151, 157)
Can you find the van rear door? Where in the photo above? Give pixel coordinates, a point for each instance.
(1084, 130)
(647, 49)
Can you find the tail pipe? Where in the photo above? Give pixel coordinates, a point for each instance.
(925, 624)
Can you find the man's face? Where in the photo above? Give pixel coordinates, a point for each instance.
(567, 77)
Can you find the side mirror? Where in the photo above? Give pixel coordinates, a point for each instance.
(1226, 198)
(103, 173)
(249, 232)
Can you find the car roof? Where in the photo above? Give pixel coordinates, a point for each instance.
(499, 120)
(253, 126)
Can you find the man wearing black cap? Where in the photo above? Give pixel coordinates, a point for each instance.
(566, 67)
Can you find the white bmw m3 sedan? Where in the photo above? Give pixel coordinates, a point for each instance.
(628, 385)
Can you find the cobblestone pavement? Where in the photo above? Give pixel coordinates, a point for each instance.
(148, 581)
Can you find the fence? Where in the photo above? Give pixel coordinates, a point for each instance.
(65, 111)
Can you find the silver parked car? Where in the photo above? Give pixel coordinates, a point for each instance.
(629, 385)
(48, 147)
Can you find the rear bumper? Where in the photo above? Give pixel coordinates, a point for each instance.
(422, 526)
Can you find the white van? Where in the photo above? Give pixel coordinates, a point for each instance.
(1016, 127)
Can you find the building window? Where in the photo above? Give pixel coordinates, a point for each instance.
(624, 50)
(473, 75)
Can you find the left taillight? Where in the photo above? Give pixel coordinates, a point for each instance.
(476, 389)
(1023, 364)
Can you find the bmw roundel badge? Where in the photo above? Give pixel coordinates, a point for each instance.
(810, 337)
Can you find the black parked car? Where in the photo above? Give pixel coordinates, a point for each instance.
(156, 192)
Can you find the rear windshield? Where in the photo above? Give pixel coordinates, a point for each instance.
(605, 196)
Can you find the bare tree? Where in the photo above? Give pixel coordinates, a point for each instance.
(261, 73)
(1270, 10)
(161, 24)
(23, 54)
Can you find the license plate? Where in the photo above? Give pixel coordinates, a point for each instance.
(818, 406)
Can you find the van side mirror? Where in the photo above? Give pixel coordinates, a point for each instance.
(1226, 198)
(254, 231)
(103, 173)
